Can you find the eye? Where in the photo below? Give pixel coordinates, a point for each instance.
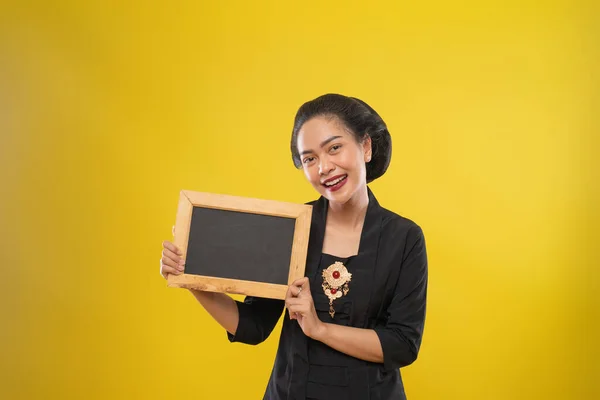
(308, 160)
(335, 147)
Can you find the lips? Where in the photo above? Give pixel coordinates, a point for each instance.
(336, 182)
(333, 179)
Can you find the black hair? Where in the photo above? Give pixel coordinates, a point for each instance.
(359, 118)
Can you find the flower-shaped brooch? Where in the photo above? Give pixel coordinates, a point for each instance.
(335, 283)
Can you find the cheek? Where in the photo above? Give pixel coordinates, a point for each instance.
(310, 174)
(350, 162)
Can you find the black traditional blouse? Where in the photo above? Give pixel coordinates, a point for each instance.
(387, 293)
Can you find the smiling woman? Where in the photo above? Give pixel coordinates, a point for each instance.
(358, 314)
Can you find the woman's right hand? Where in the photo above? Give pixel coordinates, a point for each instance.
(171, 261)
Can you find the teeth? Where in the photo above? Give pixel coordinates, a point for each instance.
(332, 183)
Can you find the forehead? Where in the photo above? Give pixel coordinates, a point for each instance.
(318, 129)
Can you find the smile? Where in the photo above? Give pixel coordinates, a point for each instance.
(335, 183)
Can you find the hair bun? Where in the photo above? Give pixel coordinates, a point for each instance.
(381, 144)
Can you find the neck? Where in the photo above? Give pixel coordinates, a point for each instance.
(352, 213)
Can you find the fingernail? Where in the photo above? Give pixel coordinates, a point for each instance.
(182, 262)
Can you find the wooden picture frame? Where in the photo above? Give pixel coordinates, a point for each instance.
(301, 213)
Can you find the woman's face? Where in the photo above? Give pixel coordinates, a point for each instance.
(332, 160)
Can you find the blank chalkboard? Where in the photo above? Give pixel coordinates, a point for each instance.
(240, 245)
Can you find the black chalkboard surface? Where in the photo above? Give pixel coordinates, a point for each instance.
(240, 245)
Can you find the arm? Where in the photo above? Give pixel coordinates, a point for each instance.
(401, 336)
(221, 307)
(356, 342)
(250, 322)
(257, 318)
(396, 344)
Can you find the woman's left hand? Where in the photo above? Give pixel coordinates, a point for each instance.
(301, 307)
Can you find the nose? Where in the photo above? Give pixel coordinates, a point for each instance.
(325, 167)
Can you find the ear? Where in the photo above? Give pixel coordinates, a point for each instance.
(367, 148)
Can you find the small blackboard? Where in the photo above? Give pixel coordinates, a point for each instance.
(240, 245)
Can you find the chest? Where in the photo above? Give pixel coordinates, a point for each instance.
(341, 241)
(359, 303)
(374, 265)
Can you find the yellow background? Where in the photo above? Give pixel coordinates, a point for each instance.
(107, 111)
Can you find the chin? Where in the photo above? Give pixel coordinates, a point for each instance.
(341, 196)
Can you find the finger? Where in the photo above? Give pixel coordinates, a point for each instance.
(172, 247)
(165, 270)
(298, 308)
(176, 259)
(292, 315)
(302, 282)
(301, 288)
(171, 259)
(293, 301)
(170, 270)
(172, 263)
(293, 291)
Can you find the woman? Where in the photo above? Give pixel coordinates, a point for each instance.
(358, 314)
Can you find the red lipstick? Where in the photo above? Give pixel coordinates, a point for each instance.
(341, 181)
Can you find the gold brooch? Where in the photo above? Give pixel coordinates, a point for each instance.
(335, 282)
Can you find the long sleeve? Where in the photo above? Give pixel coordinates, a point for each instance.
(257, 318)
(401, 336)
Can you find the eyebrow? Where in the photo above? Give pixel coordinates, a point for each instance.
(323, 144)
